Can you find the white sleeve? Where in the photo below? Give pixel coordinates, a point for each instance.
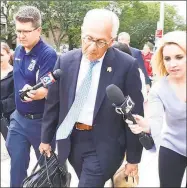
(155, 116)
(144, 88)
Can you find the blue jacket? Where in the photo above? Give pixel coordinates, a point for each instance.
(138, 55)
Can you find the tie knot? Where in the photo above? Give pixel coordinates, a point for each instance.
(93, 63)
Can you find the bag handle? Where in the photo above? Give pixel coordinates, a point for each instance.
(34, 169)
(126, 179)
(46, 165)
(40, 158)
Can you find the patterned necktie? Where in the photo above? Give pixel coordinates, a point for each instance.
(67, 125)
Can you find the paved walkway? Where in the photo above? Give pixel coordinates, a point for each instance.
(148, 171)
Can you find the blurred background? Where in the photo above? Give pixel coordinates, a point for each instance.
(62, 20)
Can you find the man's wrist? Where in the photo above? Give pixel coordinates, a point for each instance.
(132, 163)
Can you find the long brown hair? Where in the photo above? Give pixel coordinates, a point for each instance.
(5, 47)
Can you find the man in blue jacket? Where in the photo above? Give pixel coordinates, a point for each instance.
(32, 60)
(124, 37)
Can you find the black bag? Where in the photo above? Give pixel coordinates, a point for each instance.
(50, 174)
(4, 126)
(4, 122)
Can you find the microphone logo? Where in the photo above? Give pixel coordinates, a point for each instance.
(126, 107)
(48, 79)
(129, 104)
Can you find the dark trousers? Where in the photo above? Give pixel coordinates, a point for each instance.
(84, 160)
(171, 168)
(23, 133)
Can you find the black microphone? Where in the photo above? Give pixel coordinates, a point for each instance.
(46, 80)
(124, 105)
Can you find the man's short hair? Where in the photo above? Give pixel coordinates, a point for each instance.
(29, 14)
(125, 34)
(122, 47)
(99, 14)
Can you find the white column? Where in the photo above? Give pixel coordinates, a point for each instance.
(161, 22)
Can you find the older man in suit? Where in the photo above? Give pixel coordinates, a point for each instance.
(90, 133)
(124, 38)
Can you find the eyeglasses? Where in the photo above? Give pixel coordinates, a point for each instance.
(24, 32)
(99, 43)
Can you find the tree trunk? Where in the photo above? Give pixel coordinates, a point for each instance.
(70, 43)
(57, 46)
(9, 41)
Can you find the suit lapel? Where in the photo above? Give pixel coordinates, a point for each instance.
(73, 71)
(107, 72)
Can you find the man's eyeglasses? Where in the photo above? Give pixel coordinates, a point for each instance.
(24, 32)
(99, 43)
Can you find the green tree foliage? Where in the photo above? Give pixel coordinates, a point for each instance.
(64, 19)
(140, 19)
(7, 32)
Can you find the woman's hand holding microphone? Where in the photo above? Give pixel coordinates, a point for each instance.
(141, 126)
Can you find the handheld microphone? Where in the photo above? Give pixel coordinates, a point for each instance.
(46, 80)
(124, 105)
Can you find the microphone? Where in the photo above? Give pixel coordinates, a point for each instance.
(124, 105)
(45, 81)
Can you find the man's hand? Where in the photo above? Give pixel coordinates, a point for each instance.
(37, 94)
(131, 169)
(26, 87)
(34, 94)
(45, 148)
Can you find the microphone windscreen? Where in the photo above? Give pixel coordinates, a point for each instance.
(57, 73)
(115, 94)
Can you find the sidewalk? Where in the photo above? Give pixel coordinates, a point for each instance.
(148, 171)
(5, 167)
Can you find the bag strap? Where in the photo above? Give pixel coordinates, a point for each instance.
(34, 169)
(127, 178)
(55, 157)
(46, 165)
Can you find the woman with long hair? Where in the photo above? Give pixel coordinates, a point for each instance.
(167, 99)
(7, 104)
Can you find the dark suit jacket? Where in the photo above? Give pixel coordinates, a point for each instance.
(112, 137)
(138, 55)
